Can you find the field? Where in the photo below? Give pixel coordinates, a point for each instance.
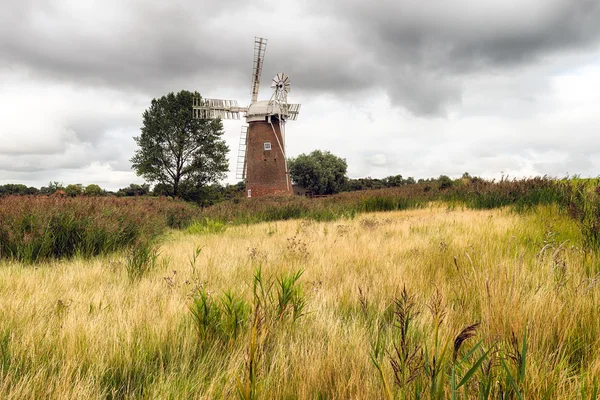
(375, 305)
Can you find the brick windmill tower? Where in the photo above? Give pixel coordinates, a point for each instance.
(261, 158)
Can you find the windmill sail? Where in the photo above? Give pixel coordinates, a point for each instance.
(260, 45)
(241, 161)
(292, 111)
(217, 108)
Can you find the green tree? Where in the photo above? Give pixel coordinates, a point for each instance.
(205, 195)
(367, 183)
(394, 181)
(93, 190)
(134, 190)
(14, 188)
(161, 189)
(444, 182)
(320, 172)
(74, 190)
(234, 191)
(177, 150)
(51, 188)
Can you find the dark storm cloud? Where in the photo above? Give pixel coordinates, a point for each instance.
(417, 52)
(126, 45)
(422, 51)
(468, 34)
(82, 72)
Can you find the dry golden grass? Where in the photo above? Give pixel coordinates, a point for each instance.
(82, 329)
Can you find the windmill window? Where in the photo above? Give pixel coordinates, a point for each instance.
(267, 145)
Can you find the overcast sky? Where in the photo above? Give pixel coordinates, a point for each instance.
(418, 88)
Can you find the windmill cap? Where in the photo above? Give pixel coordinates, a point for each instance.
(262, 108)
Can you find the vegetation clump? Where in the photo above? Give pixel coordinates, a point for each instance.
(34, 229)
(476, 194)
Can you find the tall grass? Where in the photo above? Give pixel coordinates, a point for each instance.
(422, 364)
(141, 258)
(388, 306)
(523, 194)
(584, 207)
(581, 198)
(34, 228)
(220, 322)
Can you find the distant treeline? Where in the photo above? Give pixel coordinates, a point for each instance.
(212, 194)
(53, 187)
(392, 181)
(205, 196)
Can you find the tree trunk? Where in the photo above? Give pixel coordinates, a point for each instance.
(176, 187)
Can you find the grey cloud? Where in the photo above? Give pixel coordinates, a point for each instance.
(467, 34)
(427, 49)
(73, 157)
(94, 127)
(563, 167)
(424, 93)
(560, 26)
(73, 154)
(145, 47)
(30, 148)
(465, 59)
(419, 53)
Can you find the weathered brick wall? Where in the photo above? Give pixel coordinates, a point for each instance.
(266, 168)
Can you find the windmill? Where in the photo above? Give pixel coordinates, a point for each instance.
(262, 159)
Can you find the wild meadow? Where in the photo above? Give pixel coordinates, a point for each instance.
(492, 292)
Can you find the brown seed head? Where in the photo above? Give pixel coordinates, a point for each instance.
(465, 334)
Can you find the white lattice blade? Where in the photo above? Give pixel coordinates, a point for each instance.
(292, 111)
(217, 108)
(260, 45)
(241, 161)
